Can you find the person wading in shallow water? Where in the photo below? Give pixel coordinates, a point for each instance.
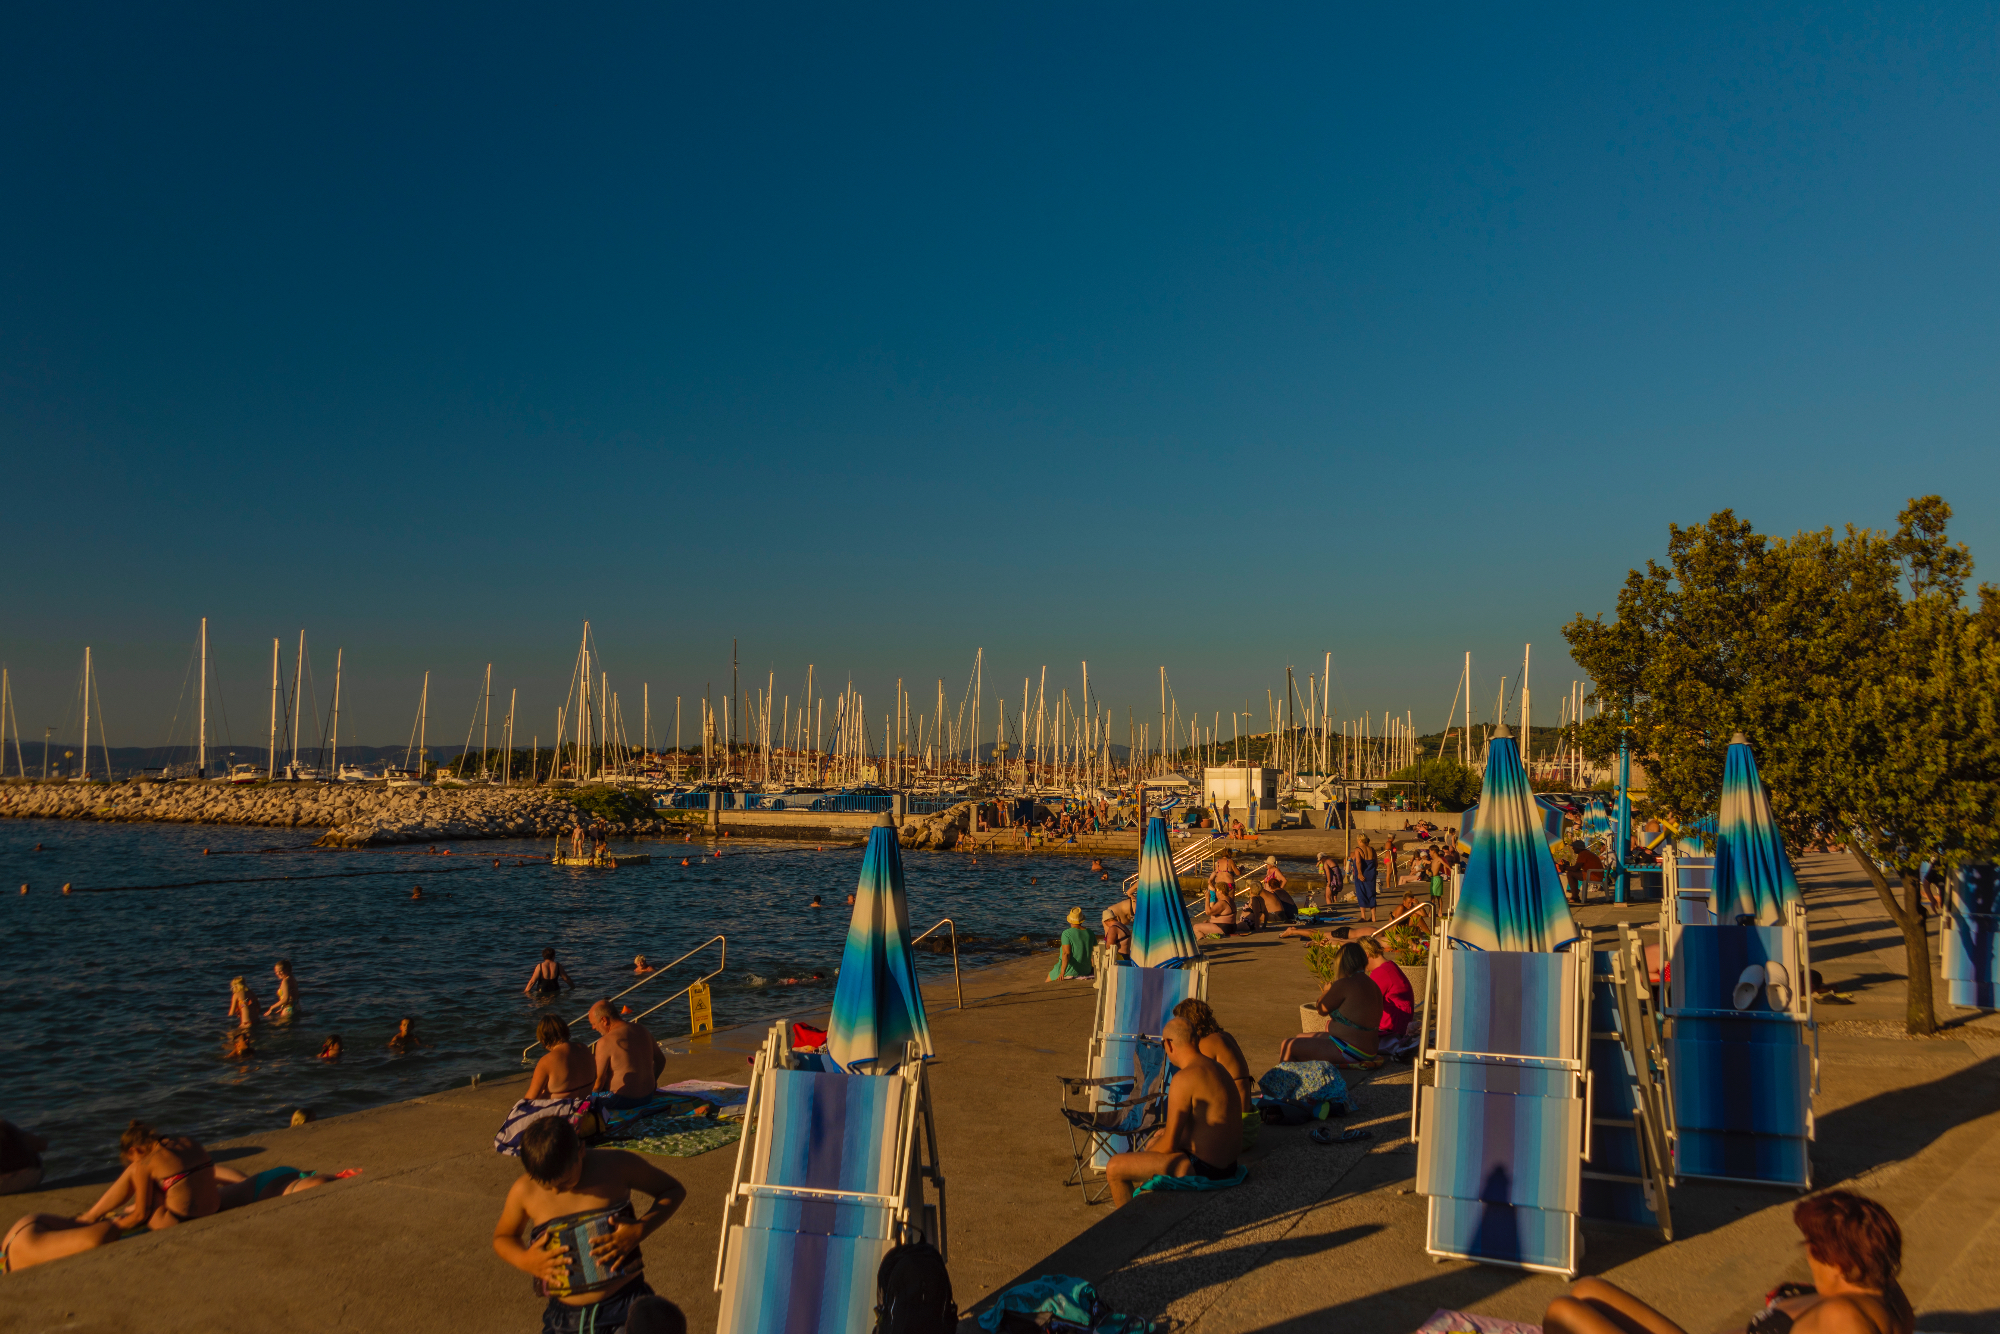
(547, 981)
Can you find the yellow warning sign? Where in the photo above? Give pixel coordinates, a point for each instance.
(701, 1009)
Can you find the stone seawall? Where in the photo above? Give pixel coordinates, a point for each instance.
(353, 814)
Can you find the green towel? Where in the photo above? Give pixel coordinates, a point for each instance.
(678, 1136)
(1237, 1178)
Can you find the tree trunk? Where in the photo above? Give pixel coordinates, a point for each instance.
(1920, 1012)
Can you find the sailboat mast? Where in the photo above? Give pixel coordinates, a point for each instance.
(488, 722)
(298, 682)
(86, 714)
(507, 765)
(333, 745)
(423, 721)
(201, 725)
(271, 752)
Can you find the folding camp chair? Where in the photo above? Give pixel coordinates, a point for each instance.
(829, 1176)
(1133, 1003)
(1110, 1114)
(1741, 1080)
(1499, 1111)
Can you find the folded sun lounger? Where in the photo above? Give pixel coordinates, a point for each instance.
(829, 1179)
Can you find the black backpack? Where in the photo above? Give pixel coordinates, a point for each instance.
(913, 1292)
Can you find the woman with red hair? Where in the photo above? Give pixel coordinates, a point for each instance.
(1853, 1248)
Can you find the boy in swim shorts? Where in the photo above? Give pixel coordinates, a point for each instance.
(565, 1182)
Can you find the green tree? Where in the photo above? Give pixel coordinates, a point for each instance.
(1447, 782)
(1850, 663)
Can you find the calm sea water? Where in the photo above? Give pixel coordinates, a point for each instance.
(116, 1001)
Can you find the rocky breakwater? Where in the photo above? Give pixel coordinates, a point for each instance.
(353, 815)
(937, 831)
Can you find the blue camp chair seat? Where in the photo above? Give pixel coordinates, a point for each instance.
(1970, 948)
(823, 1216)
(811, 1283)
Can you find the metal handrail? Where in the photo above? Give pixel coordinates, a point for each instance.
(956, 980)
(1187, 858)
(656, 974)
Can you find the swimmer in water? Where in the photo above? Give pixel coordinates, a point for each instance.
(239, 1046)
(242, 1003)
(416, 891)
(815, 903)
(406, 1039)
(1097, 863)
(330, 1049)
(286, 1007)
(640, 967)
(850, 900)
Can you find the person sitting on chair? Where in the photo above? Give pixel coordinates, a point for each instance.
(1204, 1130)
(1853, 1247)
(1352, 1004)
(1216, 1044)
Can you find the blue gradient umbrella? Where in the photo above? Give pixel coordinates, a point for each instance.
(1511, 897)
(1596, 820)
(877, 1006)
(1162, 931)
(1753, 876)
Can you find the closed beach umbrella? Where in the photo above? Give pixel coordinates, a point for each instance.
(1753, 876)
(1596, 819)
(1162, 931)
(877, 1006)
(1511, 897)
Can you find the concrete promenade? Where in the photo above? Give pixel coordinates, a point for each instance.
(1319, 1238)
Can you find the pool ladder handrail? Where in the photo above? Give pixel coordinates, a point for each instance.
(957, 981)
(1189, 856)
(656, 974)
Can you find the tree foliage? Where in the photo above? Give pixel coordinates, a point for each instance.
(1851, 662)
(1447, 783)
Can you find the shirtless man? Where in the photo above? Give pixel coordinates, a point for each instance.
(629, 1062)
(1216, 1044)
(1117, 923)
(562, 1178)
(548, 978)
(1204, 1130)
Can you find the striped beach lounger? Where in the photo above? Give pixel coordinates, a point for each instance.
(1740, 1079)
(1503, 1110)
(828, 1182)
(1134, 1003)
(1970, 938)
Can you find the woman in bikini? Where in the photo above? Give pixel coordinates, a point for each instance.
(1853, 1247)
(1352, 1004)
(1221, 901)
(242, 1003)
(286, 1007)
(168, 1179)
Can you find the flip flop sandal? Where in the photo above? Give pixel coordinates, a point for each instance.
(1748, 985)
(1325, 1135)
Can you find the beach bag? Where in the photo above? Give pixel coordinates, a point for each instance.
(913, 1292)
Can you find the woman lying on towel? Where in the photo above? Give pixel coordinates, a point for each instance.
(1853, 1248)
(561, 1084)
(1352, 1004)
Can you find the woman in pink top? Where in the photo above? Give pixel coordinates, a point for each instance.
(1399, 999)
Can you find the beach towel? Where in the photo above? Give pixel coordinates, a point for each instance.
(1236, 1178)
(1460, 1322)
(727, 1099)
(678, 1136)
(1061, 1303)
(530, 1110)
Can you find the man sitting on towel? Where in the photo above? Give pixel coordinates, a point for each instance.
(629, 1062)
(1204, 1130)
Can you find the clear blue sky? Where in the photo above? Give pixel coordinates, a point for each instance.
(868, 337)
